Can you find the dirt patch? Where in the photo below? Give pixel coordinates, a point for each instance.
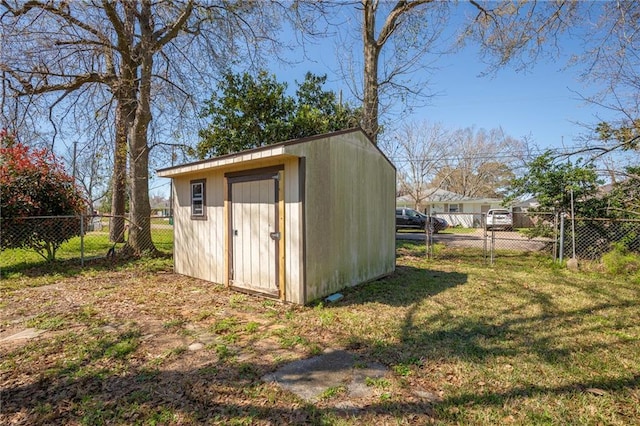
(335, 371)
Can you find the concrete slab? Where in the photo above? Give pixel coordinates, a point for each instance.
(28, 333)
(310, 378)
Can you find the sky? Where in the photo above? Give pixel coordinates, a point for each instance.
(544, 103)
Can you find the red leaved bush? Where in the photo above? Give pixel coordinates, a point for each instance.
(33, 184)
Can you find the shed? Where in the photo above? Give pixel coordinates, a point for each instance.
(297, 220)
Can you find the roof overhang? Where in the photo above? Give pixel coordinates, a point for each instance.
(247, 158)
(258, 155)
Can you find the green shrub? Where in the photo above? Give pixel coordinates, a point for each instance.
(621, 261)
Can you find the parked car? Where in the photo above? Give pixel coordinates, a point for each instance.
(437, 223)
(412, 219)
(499, 219)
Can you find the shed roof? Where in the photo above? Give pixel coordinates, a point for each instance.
(268, 151)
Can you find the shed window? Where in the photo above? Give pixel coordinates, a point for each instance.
(198, 199)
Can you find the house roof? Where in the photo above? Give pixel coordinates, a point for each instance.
(529, 202)
(442, 195)
(268, 151)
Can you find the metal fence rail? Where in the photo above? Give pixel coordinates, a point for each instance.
(551, 234)
(590, 239)
(31, 241)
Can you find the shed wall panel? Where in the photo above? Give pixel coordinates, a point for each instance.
(293, 232)
(349, 213)
(198, 243)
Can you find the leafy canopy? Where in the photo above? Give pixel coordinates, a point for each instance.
(249, 112)
(624, 198)
(33, 183)
(552, 183)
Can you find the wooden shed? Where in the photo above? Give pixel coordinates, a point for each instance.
(297, 220)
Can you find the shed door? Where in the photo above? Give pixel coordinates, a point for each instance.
(254, 239)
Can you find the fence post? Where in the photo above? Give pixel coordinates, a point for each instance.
(428, 238)
(561, 248)
(82, 241)
(493, 244)
(555, 237)
(484, 239)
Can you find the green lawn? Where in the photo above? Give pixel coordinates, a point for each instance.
(522, 342)
(95, 244)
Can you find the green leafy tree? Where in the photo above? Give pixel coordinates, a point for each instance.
(33, 183)
(554, 184)
(249, 112)
(319, 111)
(624, 136)
(624, 199)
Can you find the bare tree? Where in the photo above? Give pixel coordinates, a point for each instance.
(90, 164)
(397, 41)
(469, 162)
(521, 32)
(60, 54)
(419, 153)
(481, 162)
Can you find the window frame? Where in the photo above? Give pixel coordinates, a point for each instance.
(203, 200)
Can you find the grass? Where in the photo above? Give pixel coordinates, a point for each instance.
(521, 342)
(458, 230)
(95, 246)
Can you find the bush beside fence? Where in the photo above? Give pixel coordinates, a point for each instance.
(592, 238)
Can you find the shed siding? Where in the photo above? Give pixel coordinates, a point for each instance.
(349, 213)
(199, 244)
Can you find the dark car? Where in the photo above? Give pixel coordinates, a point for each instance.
(437, 223)
(412, 219)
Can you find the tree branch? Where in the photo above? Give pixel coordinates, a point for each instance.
(391, 23)
(171, 32)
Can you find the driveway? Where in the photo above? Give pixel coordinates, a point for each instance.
(508, 240)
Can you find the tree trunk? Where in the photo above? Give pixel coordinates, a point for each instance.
(124, 92)
(370, 90)
(119, 179)
(140, 232)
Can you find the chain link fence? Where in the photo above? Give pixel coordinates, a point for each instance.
(31, 241)
(517, 233)
(590, 239)
(551, 234)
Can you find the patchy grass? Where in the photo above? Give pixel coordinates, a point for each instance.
(520, 342)
(458, 230)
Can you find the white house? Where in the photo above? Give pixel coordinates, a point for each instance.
(456, 209)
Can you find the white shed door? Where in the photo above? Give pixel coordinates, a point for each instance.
(254, 227)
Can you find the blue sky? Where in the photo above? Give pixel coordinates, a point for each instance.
(543, 103)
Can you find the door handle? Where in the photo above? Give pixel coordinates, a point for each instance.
(275, 235)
